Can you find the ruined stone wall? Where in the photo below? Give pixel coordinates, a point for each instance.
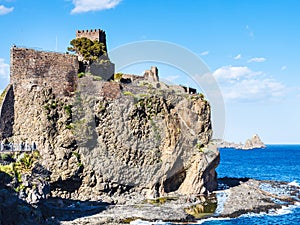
(152, 74)
(31, 69)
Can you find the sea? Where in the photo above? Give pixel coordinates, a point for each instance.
(275, 162)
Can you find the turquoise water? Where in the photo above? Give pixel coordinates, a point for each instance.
(276, 162)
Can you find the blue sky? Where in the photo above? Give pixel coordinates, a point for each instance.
(252, 47)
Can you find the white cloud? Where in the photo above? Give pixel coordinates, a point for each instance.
(257, 59)
(82, 6)
(4, 10)
(283, 68)
(239, 56)
(243, 84)
(204, 53)
(4, 70)
(234, 73)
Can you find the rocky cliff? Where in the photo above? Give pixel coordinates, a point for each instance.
(111, 139)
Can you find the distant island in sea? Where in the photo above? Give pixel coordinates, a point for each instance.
(252, 143)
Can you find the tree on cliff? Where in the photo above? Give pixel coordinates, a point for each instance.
(88, 49)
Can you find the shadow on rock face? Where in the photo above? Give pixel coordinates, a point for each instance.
(14, 211)
(67, 210)
(70, 185)
(228, 182)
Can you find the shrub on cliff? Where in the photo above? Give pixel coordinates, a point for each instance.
(2, 96)
(88, 49)
(118, 76)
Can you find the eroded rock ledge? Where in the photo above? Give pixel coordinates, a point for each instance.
(240, 196)
(249, 195)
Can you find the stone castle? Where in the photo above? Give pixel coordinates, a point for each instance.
(34, 70)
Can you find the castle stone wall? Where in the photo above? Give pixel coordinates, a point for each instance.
(31, 69)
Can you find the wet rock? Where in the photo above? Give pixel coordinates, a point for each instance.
(248, 195)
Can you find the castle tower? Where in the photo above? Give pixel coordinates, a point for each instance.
(93, 35)
(106, 71)
(152, 74)
(154, 70)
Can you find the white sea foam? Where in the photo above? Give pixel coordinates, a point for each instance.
(277, 190)
(294, 183)
(212, 219)
(143, 222)
(275, 212)
(221, 198)
(287, 209)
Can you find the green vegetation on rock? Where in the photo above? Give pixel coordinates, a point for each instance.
(78, 157)
(204, 209)
(88, 49)
(80, 75)
(2, 96)
(22, 164)
(199, 146)
(70, 126)
(97, 78)
(201, 95)
(68, 109)
(160, 201)
(128, 93)
(5, 157)
(118, 76)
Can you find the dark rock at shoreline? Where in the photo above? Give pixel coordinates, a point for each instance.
(236, 196)
(242, 195)
(14, 211)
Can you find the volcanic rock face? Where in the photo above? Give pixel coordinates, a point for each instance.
(13, 210)
(113, 139)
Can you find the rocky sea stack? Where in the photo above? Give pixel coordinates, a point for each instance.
(252, 143)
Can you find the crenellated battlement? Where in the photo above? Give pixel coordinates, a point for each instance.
(94, 35)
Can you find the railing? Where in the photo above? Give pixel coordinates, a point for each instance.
(22, 147)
